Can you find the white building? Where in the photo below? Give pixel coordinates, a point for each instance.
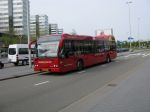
(53, 29)
(13, 16)
(6, 16)
(39, 25)
(33, 26)
(43, 25)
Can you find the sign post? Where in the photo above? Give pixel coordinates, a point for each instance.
(130, 38)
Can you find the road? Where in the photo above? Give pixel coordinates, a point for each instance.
(53, 92)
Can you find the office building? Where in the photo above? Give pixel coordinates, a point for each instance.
(39, 25)
(60, 31)
(6, 16)
(53, 29)
(14, 15)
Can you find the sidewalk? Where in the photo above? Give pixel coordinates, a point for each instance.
(128, 93)
(14, 72)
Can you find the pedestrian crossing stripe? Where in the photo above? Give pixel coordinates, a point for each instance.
(138, 54)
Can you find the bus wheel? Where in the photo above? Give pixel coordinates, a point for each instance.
(108, 59)
(80, 65)
(16, 64)
(1, 66)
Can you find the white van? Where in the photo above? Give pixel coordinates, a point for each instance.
(18, 53)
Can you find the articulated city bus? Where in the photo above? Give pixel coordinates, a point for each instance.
(63, 53)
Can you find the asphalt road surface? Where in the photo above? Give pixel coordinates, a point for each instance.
(53, 92)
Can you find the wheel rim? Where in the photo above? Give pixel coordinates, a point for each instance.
(108, 60)
(79, 65)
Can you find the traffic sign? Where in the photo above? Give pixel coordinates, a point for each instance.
(130, 38)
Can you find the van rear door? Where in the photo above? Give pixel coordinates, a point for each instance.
(12, 55)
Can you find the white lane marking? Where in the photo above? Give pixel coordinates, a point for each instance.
(144, 55)
(127, 56)
(41, 83)
(137, 54)
(81, 72)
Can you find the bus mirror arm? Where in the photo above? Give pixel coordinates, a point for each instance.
(62, 56)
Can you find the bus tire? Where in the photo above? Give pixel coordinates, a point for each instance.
(1, 66)
(80, 65)
(108, 59)
(16, 63)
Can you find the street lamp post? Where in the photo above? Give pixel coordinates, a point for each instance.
(28, 34)
(128, 3)
(20, 36)
(139, 30)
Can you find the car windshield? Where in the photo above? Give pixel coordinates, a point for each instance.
(48, 49)
(12, 51)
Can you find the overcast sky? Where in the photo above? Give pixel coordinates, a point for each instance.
(85, 16)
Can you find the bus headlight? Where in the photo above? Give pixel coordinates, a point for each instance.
(55, 65)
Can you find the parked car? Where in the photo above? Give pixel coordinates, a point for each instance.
(4, 54)
(1, 65)
(18, 53)
(122, 50)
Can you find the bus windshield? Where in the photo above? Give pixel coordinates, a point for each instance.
(48, 49)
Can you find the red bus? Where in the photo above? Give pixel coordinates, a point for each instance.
(63, 53)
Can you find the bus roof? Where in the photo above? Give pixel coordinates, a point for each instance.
(76, 37)
(65, 36)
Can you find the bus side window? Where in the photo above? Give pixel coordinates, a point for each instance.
(113, 46)
(106, 45)
(100, 46)
(67, 48)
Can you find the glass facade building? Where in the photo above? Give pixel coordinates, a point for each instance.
(39, 25)
(53, 29)
(13, 16)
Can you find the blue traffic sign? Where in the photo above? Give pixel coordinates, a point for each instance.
(130, 38)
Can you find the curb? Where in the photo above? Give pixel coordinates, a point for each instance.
(18, 76)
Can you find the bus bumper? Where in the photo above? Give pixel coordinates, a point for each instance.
(48, 69)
